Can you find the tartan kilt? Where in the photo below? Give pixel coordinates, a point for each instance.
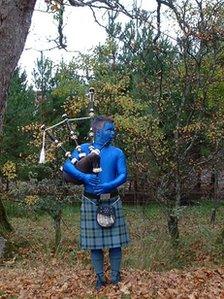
(93, 236)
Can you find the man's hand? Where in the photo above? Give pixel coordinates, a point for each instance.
(102, 188)
(91, 179)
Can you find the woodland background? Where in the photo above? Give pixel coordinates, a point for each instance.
(167, 99)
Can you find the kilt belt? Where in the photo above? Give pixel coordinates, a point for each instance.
(92, 235)
(106, 196)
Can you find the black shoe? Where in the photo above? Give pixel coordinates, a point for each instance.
(115, 278)
(100, 282)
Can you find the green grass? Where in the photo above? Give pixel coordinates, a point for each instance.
(200, 243)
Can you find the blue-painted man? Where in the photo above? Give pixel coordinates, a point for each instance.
(102, 188)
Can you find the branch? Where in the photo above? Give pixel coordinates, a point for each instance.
(61, 38)
(190, 146)
(95, 18)
(182, 23)
(105, 4)
(82, 3)
(210, 158)
(158, 21)
(115, 5)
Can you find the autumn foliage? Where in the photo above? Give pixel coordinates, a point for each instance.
(165, 94)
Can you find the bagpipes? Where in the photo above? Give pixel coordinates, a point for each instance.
(87, 163)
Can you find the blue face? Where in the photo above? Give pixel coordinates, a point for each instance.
(106, 134)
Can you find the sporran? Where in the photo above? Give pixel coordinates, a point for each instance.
(105, 215)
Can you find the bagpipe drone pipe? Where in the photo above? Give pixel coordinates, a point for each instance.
(87, 163)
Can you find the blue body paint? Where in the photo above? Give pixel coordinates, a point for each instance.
(113, 163)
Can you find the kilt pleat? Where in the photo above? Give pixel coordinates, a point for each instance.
(93, 236)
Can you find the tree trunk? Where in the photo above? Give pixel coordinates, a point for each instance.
(215, 186)
(173, 229)
(4, 223)
(15, 21)
(57, 228)
(173, 219)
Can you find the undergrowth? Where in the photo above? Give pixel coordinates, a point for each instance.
(201, 244)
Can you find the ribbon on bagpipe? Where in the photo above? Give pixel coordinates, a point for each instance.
(42, 152)
(86, 163)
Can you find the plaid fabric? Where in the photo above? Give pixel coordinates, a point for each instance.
(93, 236)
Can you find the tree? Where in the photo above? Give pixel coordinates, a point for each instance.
(15, 21)
(182, 124)
(171, 88)
(194, 129)
(19, 112)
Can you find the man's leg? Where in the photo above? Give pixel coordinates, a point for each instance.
(97, 261)
(115, 255)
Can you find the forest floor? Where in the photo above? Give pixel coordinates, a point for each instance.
(151, 268)
(55, 281)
